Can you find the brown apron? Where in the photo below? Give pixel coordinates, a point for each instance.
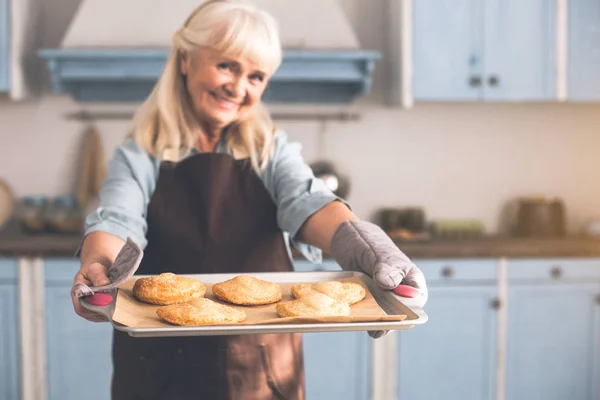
(210, 213)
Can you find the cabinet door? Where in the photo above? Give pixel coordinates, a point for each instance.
(553, 341)
(9, 336)
(453, 355)
(337, 365)
(584, 50)
(446, 47)
(79, 351)
(520, 52)
(4, 44)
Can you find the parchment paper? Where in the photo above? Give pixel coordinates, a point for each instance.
(135, 314)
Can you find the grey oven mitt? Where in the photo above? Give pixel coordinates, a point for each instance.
(126, 263)
(363, 246)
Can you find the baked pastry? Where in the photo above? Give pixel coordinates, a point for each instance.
(313, 304)
(349, 292)
(168, 288)
(247, 290)
(200, 312)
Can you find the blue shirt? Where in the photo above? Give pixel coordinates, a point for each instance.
(132, 174)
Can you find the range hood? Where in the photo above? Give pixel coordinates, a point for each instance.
(115, 50)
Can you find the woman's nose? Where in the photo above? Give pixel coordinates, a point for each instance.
(235, 88)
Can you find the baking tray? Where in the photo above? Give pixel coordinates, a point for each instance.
(388, 301)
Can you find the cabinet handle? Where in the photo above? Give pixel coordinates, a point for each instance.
(447, 272)
(495, 304)
(493, 81)
(475, 81)
(556, 272)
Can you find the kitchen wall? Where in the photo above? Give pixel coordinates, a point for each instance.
(456, 160)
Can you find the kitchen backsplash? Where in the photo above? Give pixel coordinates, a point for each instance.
(457, 161)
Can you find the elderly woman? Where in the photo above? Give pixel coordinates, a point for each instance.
(207, 184)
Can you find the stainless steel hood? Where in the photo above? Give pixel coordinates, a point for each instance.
(114, 50)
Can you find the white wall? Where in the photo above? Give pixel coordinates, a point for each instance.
(455, 160)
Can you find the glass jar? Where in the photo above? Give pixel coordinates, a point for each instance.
(30, 213)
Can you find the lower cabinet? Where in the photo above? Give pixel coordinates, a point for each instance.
(9, 330)
(552, 343)
(337, 365)
(553, 346)
(453, 355)
(552, 333)
(78, 351)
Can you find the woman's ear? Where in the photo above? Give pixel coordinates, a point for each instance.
(184, 64)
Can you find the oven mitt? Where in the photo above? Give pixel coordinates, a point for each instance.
(127, 262)
(363, 246)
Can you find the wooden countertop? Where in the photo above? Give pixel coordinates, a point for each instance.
(15, 243)
(495, 247)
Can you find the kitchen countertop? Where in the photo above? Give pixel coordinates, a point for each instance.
(15, 243)
(509, 247)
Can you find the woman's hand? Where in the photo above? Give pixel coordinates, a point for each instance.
(363, 246)
(93, 274)
(98, 252)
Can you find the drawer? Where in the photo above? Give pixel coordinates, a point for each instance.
(579, 269)
(458, 270)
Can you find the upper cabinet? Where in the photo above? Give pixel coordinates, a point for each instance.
(447, 49)
(4, 44)
(519, 49)
(584, 50)
(490, 50)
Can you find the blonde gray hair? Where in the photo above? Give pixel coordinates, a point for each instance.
(165, 121)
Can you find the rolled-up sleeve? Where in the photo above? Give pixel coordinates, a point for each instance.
(130, 181)
(295, 190)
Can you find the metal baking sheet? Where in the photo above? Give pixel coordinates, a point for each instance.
(388, 301)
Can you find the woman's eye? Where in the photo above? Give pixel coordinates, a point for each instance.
(257, 78)
(224, 66)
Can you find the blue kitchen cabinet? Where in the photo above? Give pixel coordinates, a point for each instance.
(337, 364)
(4, 44)
(453, 355)
(520, 50)
(9, 330)
(447, 46)
(584, 50)
(487, 50)
(553, 348)
(78, 351)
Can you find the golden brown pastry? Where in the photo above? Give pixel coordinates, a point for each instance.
(168, 288)
(314, 304)
(349, 292)
(200, 312)
(247, 290)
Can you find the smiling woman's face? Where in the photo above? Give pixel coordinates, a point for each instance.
(222, 89)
